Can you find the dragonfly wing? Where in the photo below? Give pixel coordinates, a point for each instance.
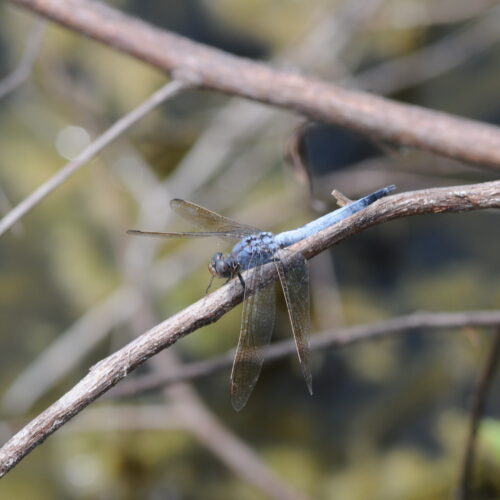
(210, 221)
(200, 234)
(257, 324)
(294, 278)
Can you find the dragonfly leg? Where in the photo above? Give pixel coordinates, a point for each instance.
(239, 277)
(209, 284)
(242, 281)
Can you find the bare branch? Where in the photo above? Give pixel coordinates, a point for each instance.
(23, 70)
(169, 90)
(210, 68)
(480, 394)
(5, 206)
(435, 200)
(328, 339)
(209, 309)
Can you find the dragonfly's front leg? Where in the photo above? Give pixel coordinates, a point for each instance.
(242, 281)
(240, 277)
(209, 284)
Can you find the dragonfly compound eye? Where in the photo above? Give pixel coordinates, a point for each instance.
(220, 267)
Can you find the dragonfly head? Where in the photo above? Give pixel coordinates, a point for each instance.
(221, 266)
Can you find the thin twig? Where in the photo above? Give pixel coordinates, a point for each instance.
(210, 68)
(169, 90)
(209, 309)
(23, 70)
(328, 339)
(5, 206)
(485, 379)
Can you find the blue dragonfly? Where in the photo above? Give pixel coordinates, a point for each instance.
(254, 249)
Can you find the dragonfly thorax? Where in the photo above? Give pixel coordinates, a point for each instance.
(223, 266)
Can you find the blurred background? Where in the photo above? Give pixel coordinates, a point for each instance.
(388, 419)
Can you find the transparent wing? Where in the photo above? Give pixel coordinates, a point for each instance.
(200, 234)
(257, 325)
(294, 278)
(210, 221)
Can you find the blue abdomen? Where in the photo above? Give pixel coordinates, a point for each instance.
(290, 237)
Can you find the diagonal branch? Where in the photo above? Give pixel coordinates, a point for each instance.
(213, 69)
(209, 309)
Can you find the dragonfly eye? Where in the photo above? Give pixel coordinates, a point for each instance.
(220, 267)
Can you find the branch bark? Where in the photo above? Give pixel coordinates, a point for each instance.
(209, 309)
(209, 68)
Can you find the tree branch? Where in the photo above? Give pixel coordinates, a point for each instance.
(328, 339)
(213, 69)
(209, 309)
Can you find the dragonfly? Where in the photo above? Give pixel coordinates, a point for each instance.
(254, 249)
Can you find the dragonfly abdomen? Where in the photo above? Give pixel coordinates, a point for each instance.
(288, 238)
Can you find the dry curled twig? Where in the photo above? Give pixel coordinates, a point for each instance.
(209, 68)
(209, 309)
